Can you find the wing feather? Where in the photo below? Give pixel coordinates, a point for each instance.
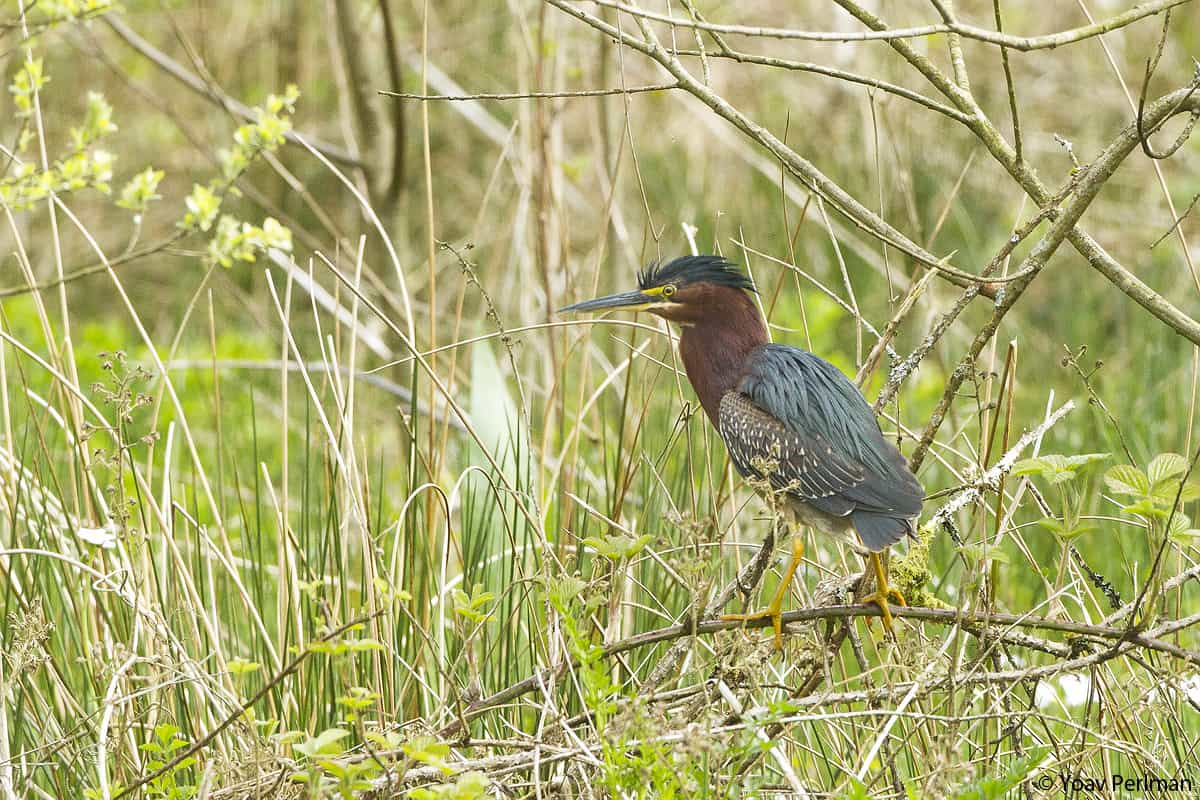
(796, 419)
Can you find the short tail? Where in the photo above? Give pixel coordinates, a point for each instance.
(879, 531)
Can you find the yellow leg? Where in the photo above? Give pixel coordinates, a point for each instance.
(883, 593)
(774, 610)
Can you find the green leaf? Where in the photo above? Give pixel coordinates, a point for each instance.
(1181, 528)
(1053, 525)
(1057, 468)
(1146, 507)
(564, 591)
(324, 743)
(363, 645)
(471, 605)
(1086, 459)
(1077, 530)
(1165, 466)
(468, 786)
(166, 732)
(1166, 490)
(978, 552)
(202, 208)
(1029, 466)
(240, 666)
(1127, 479)
(428, 751)
(386, 740)
(141, 189)
(1060, 529)
(618, 547)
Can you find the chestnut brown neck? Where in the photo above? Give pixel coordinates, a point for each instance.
(717, 342)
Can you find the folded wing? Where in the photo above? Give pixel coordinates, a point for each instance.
(798, 421)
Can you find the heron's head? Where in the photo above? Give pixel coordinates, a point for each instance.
(691, 290)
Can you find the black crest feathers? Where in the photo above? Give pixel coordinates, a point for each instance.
(695, 269)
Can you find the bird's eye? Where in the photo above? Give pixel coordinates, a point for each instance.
(668, 290)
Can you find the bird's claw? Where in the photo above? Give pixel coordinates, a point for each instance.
(882, 594)
(881, 599)
(774, 611)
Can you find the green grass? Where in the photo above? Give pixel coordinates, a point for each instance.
(313, 575)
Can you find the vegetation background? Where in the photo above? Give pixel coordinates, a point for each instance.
(305, 490)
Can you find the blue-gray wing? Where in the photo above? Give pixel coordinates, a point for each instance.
(797, 420)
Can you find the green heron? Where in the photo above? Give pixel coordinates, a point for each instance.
(786, 416)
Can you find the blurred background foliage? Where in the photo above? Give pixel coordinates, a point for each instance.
(535, 203)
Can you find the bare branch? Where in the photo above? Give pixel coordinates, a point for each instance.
(1023, 43)
(842, 75)
(1000, 625)
(1024, 175)
(1089, 185)
(989, 481)
(532, 95)
(176, 70)
(800, 167)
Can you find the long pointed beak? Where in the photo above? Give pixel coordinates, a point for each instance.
(628, 300)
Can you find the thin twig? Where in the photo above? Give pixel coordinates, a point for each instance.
(990, 480)
(96, 268)
(1177, 222)
(1084, 244)
(658, 87)
(1022, 43)
(774, 62)
(801, 168)
(1089, 185)
(1008, 80)
(198, 85)
(972, 621)
(267, 687)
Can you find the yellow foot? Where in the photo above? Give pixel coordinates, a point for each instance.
(882, 594)
(774, 611)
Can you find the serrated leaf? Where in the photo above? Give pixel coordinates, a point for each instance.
(471, 605)
(1127, 479)
(1180, 526)
(165, 732)
(1165, 466)
(564, 591)
(1057, 468)
(1166, 491)
(1062, 476)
